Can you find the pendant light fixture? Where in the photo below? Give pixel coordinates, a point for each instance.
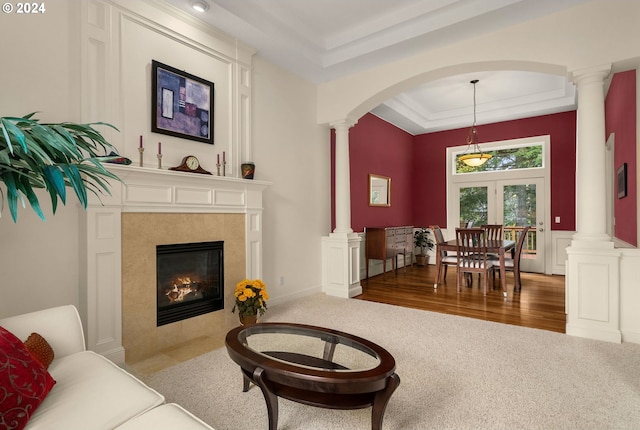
(476, 157)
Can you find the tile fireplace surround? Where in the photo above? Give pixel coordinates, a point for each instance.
(155, 207)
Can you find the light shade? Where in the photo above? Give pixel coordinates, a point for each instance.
(474, 160)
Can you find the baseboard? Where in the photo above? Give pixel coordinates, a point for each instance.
(614, 336)
(298, 294)
(116, 355)
(631, 336)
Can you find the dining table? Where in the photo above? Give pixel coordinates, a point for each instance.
(499, 247)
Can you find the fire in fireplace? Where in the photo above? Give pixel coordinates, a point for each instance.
(190, 280)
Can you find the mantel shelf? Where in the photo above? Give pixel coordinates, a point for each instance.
(125, 172)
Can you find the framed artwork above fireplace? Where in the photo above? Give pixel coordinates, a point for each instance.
(182, 104)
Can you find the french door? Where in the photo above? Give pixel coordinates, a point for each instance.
(514, 203)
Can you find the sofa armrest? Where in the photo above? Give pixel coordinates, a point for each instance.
(60, 326)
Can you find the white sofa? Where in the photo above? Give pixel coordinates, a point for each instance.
(91, 392)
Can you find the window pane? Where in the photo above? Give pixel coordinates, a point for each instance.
(473, 205)
(520, 211)
(525, 157)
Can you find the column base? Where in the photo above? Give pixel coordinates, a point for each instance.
(601, 241)
(593, 293)
(341, 265)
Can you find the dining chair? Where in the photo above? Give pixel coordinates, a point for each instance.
(494, 232)
(513, 264)
(446, 259)
(472, 256)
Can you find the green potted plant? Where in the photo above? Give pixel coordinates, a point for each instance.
(422, 239)
(53, 157)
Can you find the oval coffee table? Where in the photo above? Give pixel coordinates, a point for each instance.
(315, 366)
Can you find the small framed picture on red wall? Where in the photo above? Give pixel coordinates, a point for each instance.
(622, 181)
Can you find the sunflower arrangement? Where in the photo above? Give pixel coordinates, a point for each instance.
(251, 297)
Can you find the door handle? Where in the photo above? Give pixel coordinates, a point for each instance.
(541, 229)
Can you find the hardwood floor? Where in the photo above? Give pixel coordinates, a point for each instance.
(540, 304)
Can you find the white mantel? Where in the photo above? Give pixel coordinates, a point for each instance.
(155, 191)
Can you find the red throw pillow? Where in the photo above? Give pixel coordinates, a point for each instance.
(24, 382)
(40, 349)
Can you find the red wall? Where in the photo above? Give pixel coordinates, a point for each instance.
(429, 155)
(620, 118)
(377, 147)
(416, 165)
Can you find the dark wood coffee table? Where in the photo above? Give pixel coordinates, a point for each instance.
(315, 366)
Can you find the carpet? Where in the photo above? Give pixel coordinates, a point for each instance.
(455, 372)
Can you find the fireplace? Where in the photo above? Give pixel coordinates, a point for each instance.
(190, 280)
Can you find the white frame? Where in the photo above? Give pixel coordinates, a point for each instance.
(453, 210)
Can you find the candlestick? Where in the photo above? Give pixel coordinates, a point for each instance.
(224, 166)
(159, 161)
(141, 151)
(218, 166)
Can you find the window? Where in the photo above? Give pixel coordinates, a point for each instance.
(513, 158)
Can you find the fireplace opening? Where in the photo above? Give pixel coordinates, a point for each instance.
(190, 280)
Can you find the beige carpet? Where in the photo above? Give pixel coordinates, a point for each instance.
(456, 373)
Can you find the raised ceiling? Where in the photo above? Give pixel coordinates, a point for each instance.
(322, 40)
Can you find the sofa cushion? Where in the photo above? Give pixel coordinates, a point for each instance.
(40, 349)
(24, 382)
(92, 393)
(166, 417)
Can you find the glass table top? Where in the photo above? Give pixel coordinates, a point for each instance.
(310, 347)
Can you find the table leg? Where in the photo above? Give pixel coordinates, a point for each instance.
(329, 349)
(246, 383)
(270, 398)
(503, 275)
(438, 266)
(381, 400)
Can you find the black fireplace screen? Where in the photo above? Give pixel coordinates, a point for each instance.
(190, 280)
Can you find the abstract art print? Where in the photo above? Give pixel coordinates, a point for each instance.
(182, 104)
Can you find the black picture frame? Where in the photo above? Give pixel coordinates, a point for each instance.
(182, 104)
(622, 181)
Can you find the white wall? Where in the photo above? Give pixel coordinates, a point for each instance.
(39, 260)
(293, 153)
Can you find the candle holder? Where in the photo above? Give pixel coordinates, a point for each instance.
(218, 168)
(159, 161)
(224, 168)
(141, 151)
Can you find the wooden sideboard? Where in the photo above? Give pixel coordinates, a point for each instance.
(384, 243)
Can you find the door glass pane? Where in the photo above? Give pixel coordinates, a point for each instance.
(520, 211)
(473, 205)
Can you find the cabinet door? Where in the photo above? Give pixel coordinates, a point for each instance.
(391, 247)
(408, 232)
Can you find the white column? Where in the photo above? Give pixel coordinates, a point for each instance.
(593, 265)
(343, 177)
(591, 213)
(341, 250)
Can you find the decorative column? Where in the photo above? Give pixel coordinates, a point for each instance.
(343, 177)
(592, 280)
(591, 193)
(341, 250)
